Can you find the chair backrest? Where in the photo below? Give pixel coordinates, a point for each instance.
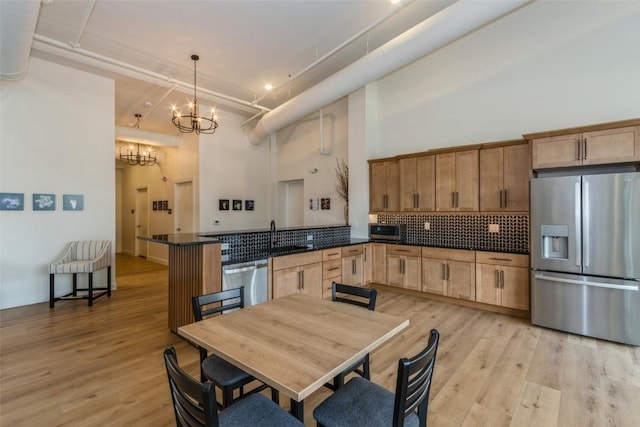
(217, 302)
(367, 296)
(194, 402)
(83, 250)
(414, 383)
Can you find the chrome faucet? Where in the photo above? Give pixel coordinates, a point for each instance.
(273, 233)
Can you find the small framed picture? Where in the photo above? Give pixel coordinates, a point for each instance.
(237, 205)
(314, 204)
(165, 205)
(223, 204)
(44, 202)
(11, 201)
(155, 205)
(325, 203)
(72, 202)
(248, 205)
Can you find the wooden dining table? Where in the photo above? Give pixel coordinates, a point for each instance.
(296, 343)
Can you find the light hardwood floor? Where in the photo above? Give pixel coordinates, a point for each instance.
(75, 366)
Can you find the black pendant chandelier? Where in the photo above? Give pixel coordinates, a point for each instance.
(194, 122)
(137, 158)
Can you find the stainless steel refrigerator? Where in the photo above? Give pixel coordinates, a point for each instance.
(585, 255)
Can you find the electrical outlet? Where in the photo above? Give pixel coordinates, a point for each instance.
(224, 258)
(494, 228)
(309, 236)
(224, 247)
(427, 226)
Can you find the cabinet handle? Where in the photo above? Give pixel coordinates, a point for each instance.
(365, 254)
(334, 268)
(578, 149)
(417, 200)
(447, 272)
(501, 191)
(299, 280)
(334, 253)
(444, 274)
(353, 266)
(402, 250)
(456, 200)
(497, 278)
(584, 157)
(453, 199)
(505, 198)
(502, 279)
(302, 275)
(500, 259)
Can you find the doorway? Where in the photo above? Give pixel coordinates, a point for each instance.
(291, 203)
(183, 203)
(142, 221)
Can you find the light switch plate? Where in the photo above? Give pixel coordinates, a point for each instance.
(427, 226)
(494, 228)
(224, 247)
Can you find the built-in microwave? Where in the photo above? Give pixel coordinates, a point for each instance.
(388, 232)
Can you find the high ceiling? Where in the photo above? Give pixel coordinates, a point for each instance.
(145, 45)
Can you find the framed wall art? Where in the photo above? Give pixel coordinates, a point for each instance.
(223, 204)
(165, 205)
(248, 205)
(325, 203)
(72, 202)
(155, 205)
(11, 201)
(44, 202)
(237, 205)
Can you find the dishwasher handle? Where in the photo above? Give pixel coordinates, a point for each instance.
(239, 269)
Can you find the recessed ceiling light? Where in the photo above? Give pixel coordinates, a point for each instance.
(268, 86)
(394, 1)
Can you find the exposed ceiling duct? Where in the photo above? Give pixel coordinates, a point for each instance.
(457, 20)
(139, 136)
(18, 21)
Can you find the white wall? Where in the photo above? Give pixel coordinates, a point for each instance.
(298, 152)
(231, 168)
(56, 136)
(549, 65)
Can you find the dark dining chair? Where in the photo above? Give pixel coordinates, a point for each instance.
(213, 368)
(194, 403)
(363, 403)
(363, 297)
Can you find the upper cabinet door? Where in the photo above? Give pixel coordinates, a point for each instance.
(611, 146)
(446, 181)
(467, 180)
(557, 151)
(517, 171)
(384, 186)
(417, 183)
(504, 178)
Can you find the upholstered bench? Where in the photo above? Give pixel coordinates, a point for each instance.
(84, 256)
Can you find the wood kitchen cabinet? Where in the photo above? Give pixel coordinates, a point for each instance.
(418, 183)
(298, 273)
(353, 265)
(457, 181)
(377, 259)
(331, 269)
(384, 185)
(590, 145)
(404, 266)
(449, 272)
(504, 177)
(502, 279)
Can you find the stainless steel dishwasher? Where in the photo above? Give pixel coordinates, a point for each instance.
(252, 275)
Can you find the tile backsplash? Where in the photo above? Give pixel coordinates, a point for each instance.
(465, 231)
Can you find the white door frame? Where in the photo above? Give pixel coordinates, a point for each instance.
(176, 204)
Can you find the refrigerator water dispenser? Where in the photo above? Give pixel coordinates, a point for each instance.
(555, 241)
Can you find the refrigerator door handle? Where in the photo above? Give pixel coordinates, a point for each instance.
(577, 214)
(580, 282)
(587, 222)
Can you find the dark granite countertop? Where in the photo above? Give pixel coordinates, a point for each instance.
(184, 239)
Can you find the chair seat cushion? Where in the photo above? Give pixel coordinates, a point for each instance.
(223, 373)
(360, 403)
(256, 410)
(72, 267)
